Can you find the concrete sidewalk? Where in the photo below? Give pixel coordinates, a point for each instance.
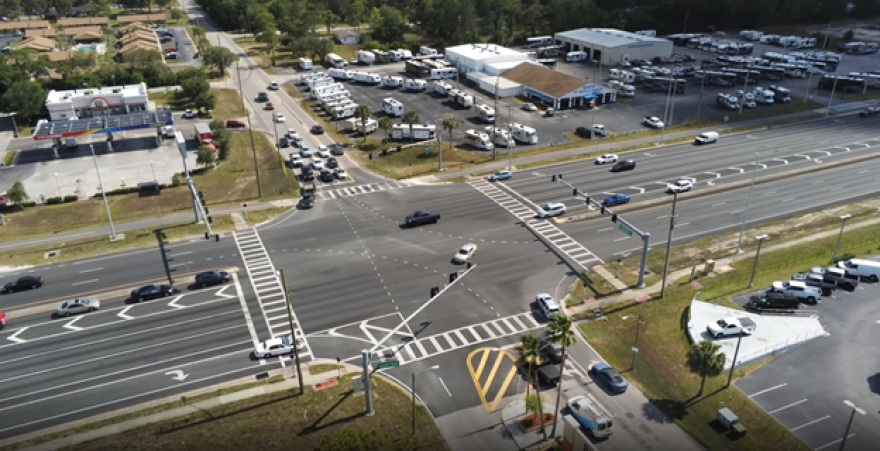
(640, 293)
(648, 141)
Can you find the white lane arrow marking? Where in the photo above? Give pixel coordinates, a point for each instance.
(173, 302)
(70, 325)
(177, 375)
(14, 337)
(224, 295)
(710, 183)
(123, 315)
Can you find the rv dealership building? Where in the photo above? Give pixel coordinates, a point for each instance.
(612, 47)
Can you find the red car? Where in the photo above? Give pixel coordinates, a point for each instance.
(232, 123)
(270, 106)
(2, 320)
(170, 50)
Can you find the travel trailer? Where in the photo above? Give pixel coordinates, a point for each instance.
(381, 57)
(393, 108)
(395, 55)
(305, 64)
(523, 134)
(442, 88)
(354, 124)
(444, 73)
(427, 51)
(487, 113)
(414, 84)
(392, 81)
(478, 139)
(405, 54)
(335, 60)
(420, 132)
(367, 77)
(622, 88)
(341, 74)
(540, 41)
(727, 101)
(461, 98)
(500, 137)
(343, 112)
(764, 96)
(366, 57)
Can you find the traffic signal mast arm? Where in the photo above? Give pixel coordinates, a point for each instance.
(605, 210)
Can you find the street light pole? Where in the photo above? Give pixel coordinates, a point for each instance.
(103, 191)
(14, 127)
(839, 236)
(669, 244)
(849, 423)
(742, 229)
(414, 374)
(299, 374)
(635, 348)
(760, 239)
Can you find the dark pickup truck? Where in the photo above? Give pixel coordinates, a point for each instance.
(773, 301)
(308, 195)
(421, 217)
(840, 277)
(548, 375)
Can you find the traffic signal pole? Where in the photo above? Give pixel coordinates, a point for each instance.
(646, 237)
(365, 354)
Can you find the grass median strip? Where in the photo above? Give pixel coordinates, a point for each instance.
(228, 103)
(9, 157)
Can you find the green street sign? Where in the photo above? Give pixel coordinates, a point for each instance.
(625, 230)
(389, 364)
(429, 147)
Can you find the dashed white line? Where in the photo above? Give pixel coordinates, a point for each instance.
(90, 270)
(718, 204)
(736, 212)
(786, 407)
(84, 282)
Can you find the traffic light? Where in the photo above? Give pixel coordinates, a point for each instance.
(469, 264)
(560, 176)
(553, 178)
(452, 277)
(587, 202)
(435, 291)
(613, 218)
(574, 192)
(202, 198)
(604, 210)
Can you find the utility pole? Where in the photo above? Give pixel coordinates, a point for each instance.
(254, 151)
(240, 90)
(745, 88)
(669, 244)
(299, 374)
(666, 112)
(495, 125)
(104, 192)
(733, 362)
(700, 102)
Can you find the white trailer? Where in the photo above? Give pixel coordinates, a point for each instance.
(355, 124)
(622, 88)
(341, 103)
(335, 60)
(320, 82)
(415, 84)
(420, 132)
(329, 91)
(427, 51)
(442, 88)
(343, 111)
(540, 41)
(341, 74)
(395, 55)
(392, 81)
(478, 139)
(304, 80)
(332, 98)
(405, 54)
(444, 73)
(461, 98)
(392, 107)
(500, 137)
(366, 57)
(306, 64)
(367, 77)
(487, 113)
(523, 134)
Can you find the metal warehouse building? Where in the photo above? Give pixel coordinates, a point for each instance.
(612, 47)
(490, 59)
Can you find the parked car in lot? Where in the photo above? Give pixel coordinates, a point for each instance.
(818, 281)
(625, 165)
(731, 326)
(152, 291)
(529, 107)
(653, 122)
(235, 123)
(500, 175)
(549, 210)
(610, 377)
(844, 280)
(863, 268)
(207, 278)
(772, 300)
(616, 199)
(80, 305)
(23, 283)
(799, 290)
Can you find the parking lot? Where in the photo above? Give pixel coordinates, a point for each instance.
(805, 387)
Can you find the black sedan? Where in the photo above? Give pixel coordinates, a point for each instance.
(23, 283)
(147, 292)
(317, 129)
(626, 165)
(332, 163)
(283, 143)
(204, 279)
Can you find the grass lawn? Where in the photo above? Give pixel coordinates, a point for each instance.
(228, 102)
(231, 181)
(9, 157)
(284, 420)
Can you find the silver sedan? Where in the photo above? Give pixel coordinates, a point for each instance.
(80, 305)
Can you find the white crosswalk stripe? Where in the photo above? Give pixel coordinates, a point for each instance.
(425, 347)
(349, 191)
(267, 286)
(566, 244)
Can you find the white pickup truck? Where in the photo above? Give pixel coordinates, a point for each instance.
(731, 326)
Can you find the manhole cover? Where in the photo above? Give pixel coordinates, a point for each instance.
(51, 254)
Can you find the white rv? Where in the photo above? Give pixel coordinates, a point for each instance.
(427, 51)
(323, 92)
(523, 134)
(487, 113)
(727, 101)
(366, 57)
(479, 140)
(444, 73)
(461, 98)
(622, 88)
(395, 55)
(341, 74)
(367, 77)
(335, 61)
(783, 95)
(305, 64)
(764, 96)
(332, 98)
(420, 132)
(575, 57)
(343, 111)
(392, 81)
(442, 88)
(316, 83)
(392, 107)
(405, 54)
(415, 84)
(304, 80)
(337, 103)
(501, 137)
(355, 124)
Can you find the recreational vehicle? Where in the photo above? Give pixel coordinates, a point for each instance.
(305, 64)
(444, 73)
(540, 41)
(523, 134)
(343, 112)
(341, 74)
(487, 113)
(420, 132)
(414, 84)
(479, 140)
(366, 57)
(461, 98)
(500, 137)
(392, 81)
(392, 107)
(575, 57)
(367, 77)
(442, 88)
(335, 60)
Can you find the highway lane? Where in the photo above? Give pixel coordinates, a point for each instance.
(57, 370)
(723, 212)
(731, 159)
(119, 271)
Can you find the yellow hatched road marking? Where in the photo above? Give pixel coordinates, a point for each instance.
(483, 388)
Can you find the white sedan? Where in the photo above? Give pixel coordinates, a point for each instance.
(280, 117)
(529, 107)
(465, 253)
(80, 305)
(277, 346)
(607, 158)
(189, 114)
(292, 134)
(340, 174)
(317, 165)
(323, 152)
(653, 122)
(274, 86)
(680, 186)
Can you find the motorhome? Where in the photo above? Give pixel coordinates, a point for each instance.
(575, 57)
(381, 56)
(500, 137)
(305, 64)
(322, 93)
(395, 55)
(478, 139)
(764, 96)
(367, 77)
(414, 84)
(442, 88)
(417, 68)
(461, 98)
(337, 103)
(392, 81)
(523, 134)
(872, 79)
(356, 124)
(343, 112)
(427, 51)
(540, 41)
(445, 73)
(392, 107)
(405, 54)
(747, 99)
(341, 74)
(335, 60)
(859, 48)
(366, 57)
(622, 75)
(842, 84)
(727, 101)
(487, 113)
(751, 35)
(781, 94)
(420, 132)
(623, 89)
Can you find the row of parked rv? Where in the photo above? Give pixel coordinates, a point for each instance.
(368, 57)
(751, 99)
(492, 137)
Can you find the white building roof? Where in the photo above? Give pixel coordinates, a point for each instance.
(606, 37)
(482, 52)
(502, 66)
(503, 83)
(56, 97)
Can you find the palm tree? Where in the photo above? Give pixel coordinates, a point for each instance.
(559, 331)
(386, 124)
(530, 353)
(704, 359)
(363, 113)
(410, 118)
(450, 123)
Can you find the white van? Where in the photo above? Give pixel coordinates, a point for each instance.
(862, 268)
(576, 57)
(706, 138)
